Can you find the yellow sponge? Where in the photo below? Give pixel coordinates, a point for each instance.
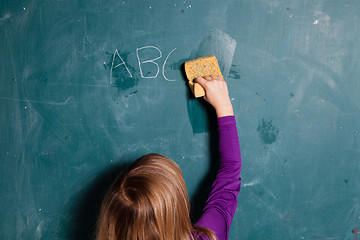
(200, 67)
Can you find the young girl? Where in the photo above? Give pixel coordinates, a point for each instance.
(149, 201)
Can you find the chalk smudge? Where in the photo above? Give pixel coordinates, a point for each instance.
(234, 74)
(6, 16)
(38, 101)
(267, 132)
(252, 183)
(223, 47)
(177, 65)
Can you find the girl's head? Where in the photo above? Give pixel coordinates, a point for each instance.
(147, 201)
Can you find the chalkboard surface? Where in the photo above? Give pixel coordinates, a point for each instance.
(88, 86)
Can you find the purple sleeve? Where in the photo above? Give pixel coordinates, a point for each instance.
(221, 204)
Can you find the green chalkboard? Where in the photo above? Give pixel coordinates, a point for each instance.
(88, 86)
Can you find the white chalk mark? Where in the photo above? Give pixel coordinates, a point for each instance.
(222, 46)
(116, 53)
(163, 69)
(148, 61)
(39, 229)
(252, 183)
(322, 18)
(6, 16)
(36, 101)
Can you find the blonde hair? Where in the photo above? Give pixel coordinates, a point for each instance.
(148, 201)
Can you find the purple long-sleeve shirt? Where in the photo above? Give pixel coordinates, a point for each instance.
(221, 204)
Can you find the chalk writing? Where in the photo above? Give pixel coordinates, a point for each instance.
(163, 69)
(116, 54)
(148, 61)
(118, 61)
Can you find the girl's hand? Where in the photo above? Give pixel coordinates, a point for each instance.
(217, 94)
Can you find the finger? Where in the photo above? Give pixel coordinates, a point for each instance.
(214, 77)
(201, 81)
(208, 78)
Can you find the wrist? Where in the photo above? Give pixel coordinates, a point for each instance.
(224, 110)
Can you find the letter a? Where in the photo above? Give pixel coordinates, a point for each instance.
(116, 53)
